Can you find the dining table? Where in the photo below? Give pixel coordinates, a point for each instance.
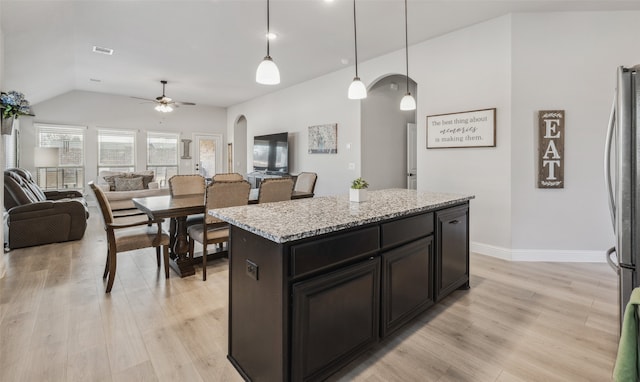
(178, 208)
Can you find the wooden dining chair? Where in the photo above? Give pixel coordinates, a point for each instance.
(227, 177)
(189, 184)
(124, 236)
(275, 190)
(213, 230)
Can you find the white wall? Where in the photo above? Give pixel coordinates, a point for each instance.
(469, 70)
(384, 133)
(2, 145)
(97, 110)
(294, 109)
(566, 61)
(518, 64)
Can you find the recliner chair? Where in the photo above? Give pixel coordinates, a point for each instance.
(38, 217)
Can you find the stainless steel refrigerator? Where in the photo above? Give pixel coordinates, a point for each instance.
(622, 174)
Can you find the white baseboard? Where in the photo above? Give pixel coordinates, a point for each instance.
(549, 255)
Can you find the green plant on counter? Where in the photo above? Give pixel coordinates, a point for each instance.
(359, 184)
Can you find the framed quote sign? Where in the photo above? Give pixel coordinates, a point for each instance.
(475, 128)
(551, 149)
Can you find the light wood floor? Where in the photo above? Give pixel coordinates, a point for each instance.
(518, 322)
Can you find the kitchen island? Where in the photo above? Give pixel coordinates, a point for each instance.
(314, 283)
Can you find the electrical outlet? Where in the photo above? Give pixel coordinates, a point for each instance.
(252, 269)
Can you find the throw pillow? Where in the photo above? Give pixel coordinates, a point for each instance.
(146, 178)
(111, 181)
(129, 184)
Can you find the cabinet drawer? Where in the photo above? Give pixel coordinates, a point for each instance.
(324, 253)
(407, 229)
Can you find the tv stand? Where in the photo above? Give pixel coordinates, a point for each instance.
(255, 178)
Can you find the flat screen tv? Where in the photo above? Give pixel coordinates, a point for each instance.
(271, 153)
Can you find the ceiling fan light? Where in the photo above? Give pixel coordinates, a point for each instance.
(408, 102)
(164, 108)
(267, 72)
(357, 90)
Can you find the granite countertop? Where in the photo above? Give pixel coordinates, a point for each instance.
(298, 219)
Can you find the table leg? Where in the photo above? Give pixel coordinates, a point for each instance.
(172, 237)
(182, 263)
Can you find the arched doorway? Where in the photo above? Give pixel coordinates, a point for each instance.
(240, 146)
(384, 133)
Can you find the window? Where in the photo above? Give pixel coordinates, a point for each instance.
(68, 170)
(162, 155)
(116, 150)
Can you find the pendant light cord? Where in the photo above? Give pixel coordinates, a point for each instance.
(355, 35)
(406, 42)
(268, 29)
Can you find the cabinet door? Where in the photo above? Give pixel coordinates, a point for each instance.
(335, 319)
(452, 252)
(407, 283)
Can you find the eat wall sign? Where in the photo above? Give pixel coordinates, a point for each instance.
(551, 149)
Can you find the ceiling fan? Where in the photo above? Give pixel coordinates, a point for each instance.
(164, 103)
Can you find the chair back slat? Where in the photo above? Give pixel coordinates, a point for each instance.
(306, 182)
(225, 194)
(227, 177)
(275, 190)
(187, 184)
(103, 202)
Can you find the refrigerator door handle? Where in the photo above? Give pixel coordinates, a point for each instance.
(607, 162)
(613, 265)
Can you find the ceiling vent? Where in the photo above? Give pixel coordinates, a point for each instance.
(99, 49)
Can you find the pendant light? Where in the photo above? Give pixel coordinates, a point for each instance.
(357, 90)
(407, 102)
(267, 72)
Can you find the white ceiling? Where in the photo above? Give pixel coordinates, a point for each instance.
(209, 50)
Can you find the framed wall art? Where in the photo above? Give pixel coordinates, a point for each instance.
(323, 139)
(476, 128)
(551, 148)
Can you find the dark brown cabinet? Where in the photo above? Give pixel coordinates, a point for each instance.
(407, 286)
(302, 309)
(335, 318)
(452, 250)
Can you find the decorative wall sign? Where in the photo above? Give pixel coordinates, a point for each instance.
(323, 139)
(186, 151)
(476, 128)
(551, 149)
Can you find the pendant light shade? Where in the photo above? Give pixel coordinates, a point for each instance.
(357, 90)
(407, 102)
(267, 72)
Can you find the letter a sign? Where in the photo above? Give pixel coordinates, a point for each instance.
(551, 149)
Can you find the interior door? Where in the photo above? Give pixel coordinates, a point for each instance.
(412, 156)
(208, 154)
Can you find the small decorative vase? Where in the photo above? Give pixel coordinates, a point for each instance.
(7, 126)
(358, 195)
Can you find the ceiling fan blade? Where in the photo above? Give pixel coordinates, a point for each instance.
(185, 103)
(145, 99)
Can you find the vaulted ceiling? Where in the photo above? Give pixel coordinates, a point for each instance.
(209, 50)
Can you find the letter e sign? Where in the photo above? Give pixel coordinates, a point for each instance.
(551, 149)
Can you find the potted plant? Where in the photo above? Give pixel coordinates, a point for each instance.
(13, 105)
(358, 191)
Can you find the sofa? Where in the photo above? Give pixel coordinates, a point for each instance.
(36, 217)
(121, 187)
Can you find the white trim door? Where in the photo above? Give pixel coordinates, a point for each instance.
(412, 156)
(208, 155)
